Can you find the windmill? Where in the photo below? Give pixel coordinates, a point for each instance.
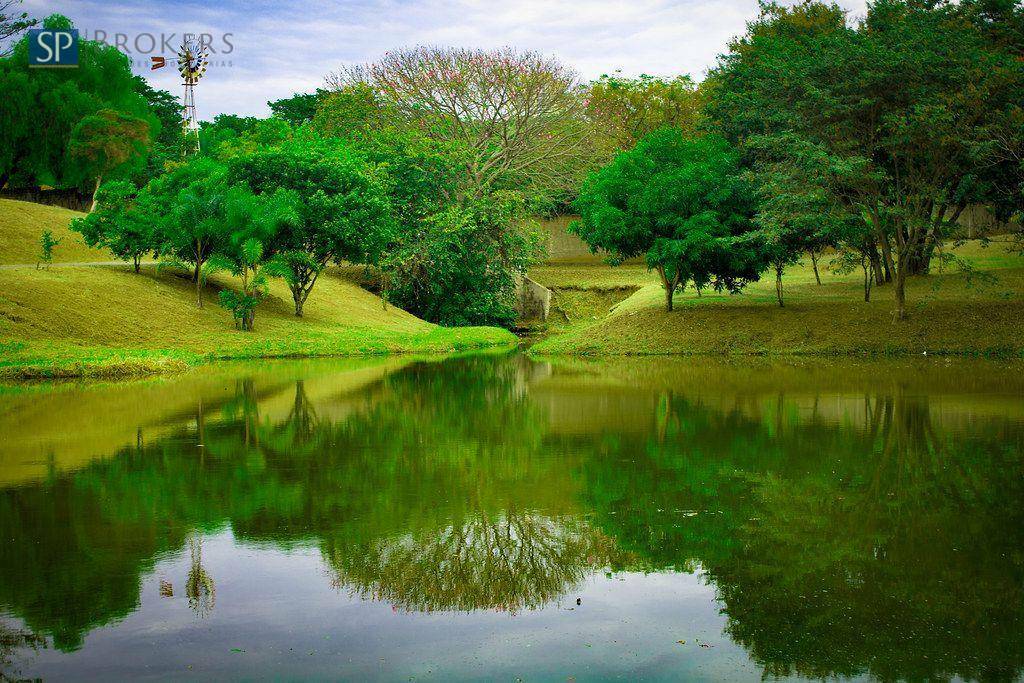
(192, 61)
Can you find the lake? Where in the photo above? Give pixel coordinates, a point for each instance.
(504, 518)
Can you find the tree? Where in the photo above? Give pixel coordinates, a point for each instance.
(12, 23)
(42, 107)
(298, 109)
(168, 136)
(47, 242)
(107, 142)
(224, 129)
(352, 111)
(803, 201)
(918, 90)
(118, 224)
(460, 267)
(342, 207)
(188, 205)
(680, 202)
(519, 114)
(624, 110)
(252, 221)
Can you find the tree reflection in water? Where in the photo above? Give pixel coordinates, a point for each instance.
(509, 562)
(891, 550)
(199, 587)
(882, 539)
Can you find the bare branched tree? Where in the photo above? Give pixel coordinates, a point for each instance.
(519, 115)
(12, 23)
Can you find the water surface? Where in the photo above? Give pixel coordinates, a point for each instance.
(496, 517)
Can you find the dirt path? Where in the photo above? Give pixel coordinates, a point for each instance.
(74, 264)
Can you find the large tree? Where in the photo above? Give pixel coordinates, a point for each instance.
(342, 210)
(460, 266)
(119, 224)
(40, 109)
(108, 141)
(519, 114)
(623, 110)
(188, 205)
(680, 202)
(917, 91)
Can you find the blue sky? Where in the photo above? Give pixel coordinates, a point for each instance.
(278, 48)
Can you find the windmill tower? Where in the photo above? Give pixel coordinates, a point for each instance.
(192, 61)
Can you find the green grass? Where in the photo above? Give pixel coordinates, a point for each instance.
(22, 223)
(109, 321)
(949, 314)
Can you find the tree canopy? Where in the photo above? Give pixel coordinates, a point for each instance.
(42, 107)
(915, 94)
(680, 202)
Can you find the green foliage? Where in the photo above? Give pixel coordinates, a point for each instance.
(46, 244)
(169, 140)
(450, 257)
(251, 222)
(298, 109)
(224, 131)
(351, 111)
(107, 142)
(680, 202)
(188, 205)
(342, 207)
(41, 108)
(119, 224)
(624, 110)
(460, 268)
(801, 189)
(921, 98)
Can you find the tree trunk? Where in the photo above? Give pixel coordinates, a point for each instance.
(135, 261)
(778, 283)
(299, 295)
(876, 263)
(867, 279)
(199, 285)
(92, 207)
(670, 287)
(901, 293)
(920, 259)
(814, 263)
(887, 263)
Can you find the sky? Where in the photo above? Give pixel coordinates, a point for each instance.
(268, 50)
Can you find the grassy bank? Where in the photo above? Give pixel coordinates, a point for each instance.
(949, 314)
(103, 320)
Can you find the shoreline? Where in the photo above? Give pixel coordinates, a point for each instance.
(42, 362)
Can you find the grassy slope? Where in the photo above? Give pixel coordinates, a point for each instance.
(21, 225)
(948, 314)
(107, 320)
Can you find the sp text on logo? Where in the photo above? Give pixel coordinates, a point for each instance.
(49, 48)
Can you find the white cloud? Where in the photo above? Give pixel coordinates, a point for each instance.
(289, 46)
